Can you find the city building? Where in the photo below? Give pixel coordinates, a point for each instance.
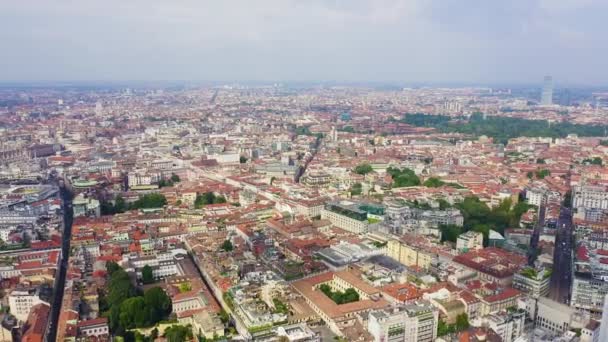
(535, 282)
(346, 215)
(406, 323)
(547, 93)
(22, 299)
(470, 240)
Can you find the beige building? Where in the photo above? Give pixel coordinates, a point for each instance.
(409, 256)
(469, 241)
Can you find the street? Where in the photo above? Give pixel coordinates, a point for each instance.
(561, 279)
(66, 196)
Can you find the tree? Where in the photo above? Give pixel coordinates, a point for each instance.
(119, 290)
(363, 169)
(224, 316)
(462, 322)
(133, 313)
(147, 276)
(242, 159)
(443, 328)
(175, 178)
(450, 232)
(112, 267)
(154, 334)
(163, 183)
(356, 189)
(227, 246)
(443, 204)
(433, 182)
(208, 198)
(530, 174)
(540, 161)
(147, 201)
(403, 177)
(158, 304)
(120, 206)
(594, 161)
(501, 129)
(178, 333)
(348, 296)
(119, 287)
(540, 174)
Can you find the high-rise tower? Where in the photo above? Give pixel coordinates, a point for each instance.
(547, 95)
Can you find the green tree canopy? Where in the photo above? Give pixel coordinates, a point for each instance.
(356, 189)
(227, 246)
(157, 303)
(433, 182)
(148, 201)
(147, 275)
(207, 198)
(178, 333)
(403, 177)
(363, 169)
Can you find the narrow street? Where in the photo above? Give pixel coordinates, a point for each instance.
(68, 216)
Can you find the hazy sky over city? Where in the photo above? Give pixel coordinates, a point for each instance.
(472, 41)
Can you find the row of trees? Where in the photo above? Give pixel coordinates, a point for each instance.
(128, 309)
(169, 182)
(147, 201)
(502, 128)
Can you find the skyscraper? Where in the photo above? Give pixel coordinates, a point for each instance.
(547, 95)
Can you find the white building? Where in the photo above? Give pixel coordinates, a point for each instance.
(346, 216)
(469, 241)
(595, 197)
(409, 323)
(86, 206)
(21, 300)
(509, 326)
(532, 281)
(588, 293)
(556, 317)
(536, 196)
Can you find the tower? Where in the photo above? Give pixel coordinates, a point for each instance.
(547, 94)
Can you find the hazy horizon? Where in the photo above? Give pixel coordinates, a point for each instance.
(401, 42)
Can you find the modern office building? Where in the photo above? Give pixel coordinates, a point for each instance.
(547, 94)
(346, 215)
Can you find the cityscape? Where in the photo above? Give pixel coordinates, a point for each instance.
(283, 208)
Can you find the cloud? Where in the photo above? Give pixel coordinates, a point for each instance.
(351, 40)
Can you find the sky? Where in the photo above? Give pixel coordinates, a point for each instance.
(405, 41)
